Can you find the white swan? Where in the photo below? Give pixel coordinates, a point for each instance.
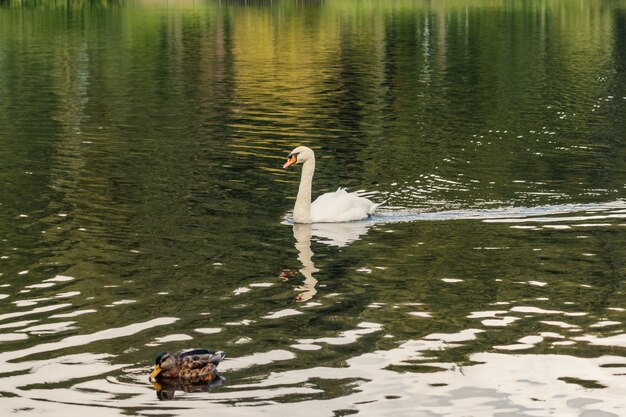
(340, 206)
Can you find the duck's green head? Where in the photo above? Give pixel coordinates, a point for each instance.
(164, 360)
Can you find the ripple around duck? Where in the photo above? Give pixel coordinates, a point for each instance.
(80, 340)
(364, 377)
(444, 392)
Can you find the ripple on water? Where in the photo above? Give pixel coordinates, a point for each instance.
(282, 314)
(85, 339)
(169, 338)
(346, 337)
(49, 328)
(208, 330)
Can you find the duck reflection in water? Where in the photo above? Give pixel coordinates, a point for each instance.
(332, 234)
(165, 389)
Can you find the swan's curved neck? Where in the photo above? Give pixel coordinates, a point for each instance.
(302, 208)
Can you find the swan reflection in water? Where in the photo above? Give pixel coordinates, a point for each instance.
(302, 234)
(341, 234)
(332, 234)
(166, 389)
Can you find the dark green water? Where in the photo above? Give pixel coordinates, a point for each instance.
(144, 207)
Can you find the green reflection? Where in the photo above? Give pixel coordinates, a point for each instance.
(141, 146)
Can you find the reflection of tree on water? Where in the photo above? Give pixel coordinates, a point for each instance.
(165, 389)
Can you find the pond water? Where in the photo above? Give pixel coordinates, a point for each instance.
(144, 207)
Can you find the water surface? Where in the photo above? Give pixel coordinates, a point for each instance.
(144, 207)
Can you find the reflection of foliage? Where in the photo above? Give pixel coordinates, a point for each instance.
(59, 4)
(383, 89)
(159, 127)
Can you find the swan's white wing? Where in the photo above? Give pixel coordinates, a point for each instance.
(341, 206)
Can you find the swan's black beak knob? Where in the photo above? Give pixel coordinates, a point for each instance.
(292, 159)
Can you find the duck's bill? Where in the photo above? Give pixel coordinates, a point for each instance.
(292, 160)
(155, 373)
(157, 386)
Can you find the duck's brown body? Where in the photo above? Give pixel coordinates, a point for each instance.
(198, 365)
(191, 367)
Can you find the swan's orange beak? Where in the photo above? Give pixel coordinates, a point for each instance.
(292, 160)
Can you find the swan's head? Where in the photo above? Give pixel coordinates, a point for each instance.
(299, 156)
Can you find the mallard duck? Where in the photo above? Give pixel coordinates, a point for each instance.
(196, 364)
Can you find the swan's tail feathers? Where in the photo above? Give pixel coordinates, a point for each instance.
(363, 193)
(375, 207)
